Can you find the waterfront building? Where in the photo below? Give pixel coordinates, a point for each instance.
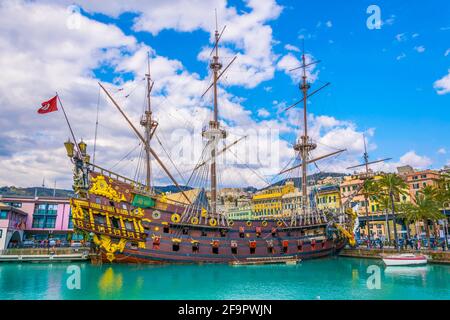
(12, 226)
(328, 197)
(417, 180)
(46, 217)
(291, 202)
(241, 213)
(268, 203)
(403, 171)
(327, 181)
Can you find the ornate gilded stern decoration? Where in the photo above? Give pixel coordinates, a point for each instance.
(96, 218)
(109, 247)
(102, 188)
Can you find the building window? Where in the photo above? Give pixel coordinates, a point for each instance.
(3, 214)
(50, 223)
(70, 224)
(38, 222)
(52, 209)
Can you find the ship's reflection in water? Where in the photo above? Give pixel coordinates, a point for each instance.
(110, 284)
(331, 278)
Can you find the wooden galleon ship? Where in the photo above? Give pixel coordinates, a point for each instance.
(130, 222)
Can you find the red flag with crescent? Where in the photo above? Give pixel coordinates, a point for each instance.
(49, 106)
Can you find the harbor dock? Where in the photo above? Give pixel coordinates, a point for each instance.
(44, 255)
(435, 256)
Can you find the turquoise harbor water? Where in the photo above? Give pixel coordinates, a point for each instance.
(331, 278)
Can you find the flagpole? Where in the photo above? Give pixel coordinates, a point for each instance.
(68, 123)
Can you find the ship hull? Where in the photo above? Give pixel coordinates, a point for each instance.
(164, 233)
(158, 257)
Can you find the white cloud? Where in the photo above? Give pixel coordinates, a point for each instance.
(291, 47)
(447, 52)
(263, 113)
(401, 56)
(442, 151)
(442, 86)
(415, 160)
(400, 37)
(290, 61)
(415, 35)
(247, 34)
(329, 24)
(419, 49)
(389, 21)
(410, 158)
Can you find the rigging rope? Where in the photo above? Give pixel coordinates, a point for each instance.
(96, 126)
(123, 158)
(170, 159)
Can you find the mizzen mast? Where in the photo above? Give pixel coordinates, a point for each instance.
(149, 125)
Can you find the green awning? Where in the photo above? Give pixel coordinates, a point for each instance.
(142, 201)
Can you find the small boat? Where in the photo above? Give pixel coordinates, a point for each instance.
(405, 259)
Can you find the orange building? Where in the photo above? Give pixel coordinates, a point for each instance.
(420, 179)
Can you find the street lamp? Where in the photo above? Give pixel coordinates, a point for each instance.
(82, 145)
(69, 145)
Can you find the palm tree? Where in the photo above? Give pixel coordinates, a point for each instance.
(409, 213)
(385, 204)
(427, 208)
(393, 186)
(369, 189)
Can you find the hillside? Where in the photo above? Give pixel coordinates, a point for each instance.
(312, 177)
(48, 192)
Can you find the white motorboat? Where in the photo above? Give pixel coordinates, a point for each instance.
(405, 259)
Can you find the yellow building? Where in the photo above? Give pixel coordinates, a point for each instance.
(328, 197)
(268, 203)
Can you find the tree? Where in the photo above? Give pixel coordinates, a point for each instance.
(427, 209)
(393, 186)
(369, 189)
(409, 213)
(385, 204)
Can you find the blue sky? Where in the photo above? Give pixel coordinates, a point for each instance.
(371, 84)
(392, 83)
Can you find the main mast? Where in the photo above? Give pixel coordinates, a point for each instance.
(304, 145)
(214, 133)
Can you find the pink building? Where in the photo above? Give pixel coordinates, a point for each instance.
(47, 217)
(12, 226)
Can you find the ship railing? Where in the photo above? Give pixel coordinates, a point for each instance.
(137, 186)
